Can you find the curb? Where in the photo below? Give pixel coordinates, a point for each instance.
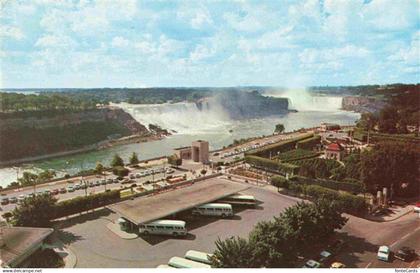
(393, 219)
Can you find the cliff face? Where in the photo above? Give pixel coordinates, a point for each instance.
(243, 105)
(362, 104)
(58, 132)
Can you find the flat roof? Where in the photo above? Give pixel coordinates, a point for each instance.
(148, 208)
(19, 240)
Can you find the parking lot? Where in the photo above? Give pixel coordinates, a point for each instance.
(96, 246)
(94, 185)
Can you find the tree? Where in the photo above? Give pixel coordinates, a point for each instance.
(134, 159)
(279, 128)
(234, 252)
(117, 161)
(46, 175)
(35, 211)
(28, 179)
(392, 165)
(99, 169)
(174, 160)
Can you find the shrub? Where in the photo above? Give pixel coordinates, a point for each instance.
(272, 165)
(355, 186)
(279, 182)
(174, 160)
(83, 203)
(120, 171)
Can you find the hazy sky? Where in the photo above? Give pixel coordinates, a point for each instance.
(104, 43)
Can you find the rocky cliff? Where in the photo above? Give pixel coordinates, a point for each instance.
(362, 104)
(35, 135)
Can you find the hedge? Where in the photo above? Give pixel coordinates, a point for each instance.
(83, 203)
(272, 165)
(283, 146)
(358, 187)
(378, 137)
(349, 203)
(297, 154)
(309, 143)
(279, 182)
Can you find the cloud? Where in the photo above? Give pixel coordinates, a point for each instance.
(11, 32)
(55, 41)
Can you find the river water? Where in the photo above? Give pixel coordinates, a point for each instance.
(192, 124)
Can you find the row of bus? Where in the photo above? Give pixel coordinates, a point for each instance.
(177, 227)
(191, 259)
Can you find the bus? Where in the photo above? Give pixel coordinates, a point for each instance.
(214, 209)
(164, 227)
(164, 266)
(240, 199)
(179, 262)
(198, 256)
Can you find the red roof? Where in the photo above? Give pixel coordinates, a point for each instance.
(334, 147)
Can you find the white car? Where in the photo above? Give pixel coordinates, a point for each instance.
(383, 253)
(417, 207)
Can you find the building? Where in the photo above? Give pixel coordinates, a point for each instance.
(17, 244)
(329, 127)
(334, 151)
(197, 152)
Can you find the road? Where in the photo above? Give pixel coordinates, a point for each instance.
(365, 237)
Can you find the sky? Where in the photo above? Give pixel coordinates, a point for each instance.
(128, 43)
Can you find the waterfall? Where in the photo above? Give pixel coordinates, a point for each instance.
(182, 117)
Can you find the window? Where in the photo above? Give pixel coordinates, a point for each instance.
(168, 227)
(142, 226)
(218, 209)
(152, 227)
(160, 227)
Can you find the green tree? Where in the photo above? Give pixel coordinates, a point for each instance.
(234, 252)
(35, 211)
(28, 179)
(134, 159)
(99, 169)
(117, 161)
(46, 175)
(279, 128)
(392, 165)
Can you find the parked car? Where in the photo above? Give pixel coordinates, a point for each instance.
(138, 175)
(4, 201)
(109, 181)
(103, 182)
(337, 265)
(116, 181)
(384, 253)
(63, 190)
(169, 171)
(47, 192)
(21, 197)
(78, 186)
(132, 176)
(91, 184)
(405, 254)
(83, 185)
(324, 256)
(70, 189)
(97, 183)
(312, 264)
(55, 191)
(13, 199)
(417, 207)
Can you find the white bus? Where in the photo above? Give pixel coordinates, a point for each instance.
(179, 262)
(214, 209)
(164, 266)
(198, 256)
(164, 227)
(240, 199)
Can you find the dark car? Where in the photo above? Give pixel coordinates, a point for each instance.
(5, 201)
(405, 254)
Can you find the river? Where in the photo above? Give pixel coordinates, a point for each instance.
(191, 124)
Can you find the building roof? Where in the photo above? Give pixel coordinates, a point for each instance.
(18, 240)
(182, 148)
(146, 209)
(336, 147)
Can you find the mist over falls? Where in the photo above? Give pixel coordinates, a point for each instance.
(222, 113)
